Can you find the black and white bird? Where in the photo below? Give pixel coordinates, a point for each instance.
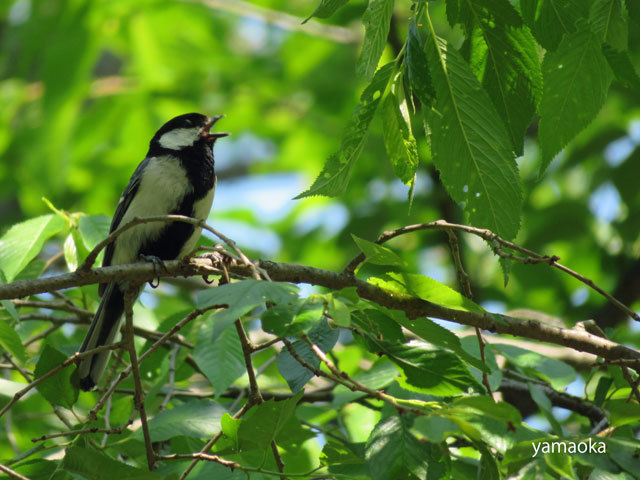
(176, 177)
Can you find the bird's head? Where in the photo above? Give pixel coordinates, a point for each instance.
(186, 130)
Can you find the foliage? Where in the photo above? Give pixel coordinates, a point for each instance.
(520, 117)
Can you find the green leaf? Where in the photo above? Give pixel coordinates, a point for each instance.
(432, 371)
(417, 67)
(291, 319)
(608, 23)
(344, 458)
(24, 241)
(561, 463)
(248, 292)
(339, 312)
(427, 289)
(197, 419)
(470, 145)
(392, 450)
(550, 20)
(378, 254)
(576, 80)
(601, 390)
(376, 20)
(485, 405)
(94, 229)
(334, 177)
(57, 389)
(326, 9)
(623, 69)
(380, 375)
(293, 372)
(95, 465)
(9, 338)
(219, 356)
(436, 334)
(622, 412)
(264, 422)
(556, 372)
(230, 428)
(506, 62)
(488, 464)
(543, 402)
(398, 140)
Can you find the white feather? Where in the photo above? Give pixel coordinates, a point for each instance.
(163, 185)
(179, 138)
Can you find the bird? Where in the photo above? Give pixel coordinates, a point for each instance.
(176, 177)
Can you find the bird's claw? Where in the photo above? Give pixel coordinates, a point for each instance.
(157, 263)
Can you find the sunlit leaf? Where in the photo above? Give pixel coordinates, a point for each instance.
(470, 145)
(24, 241)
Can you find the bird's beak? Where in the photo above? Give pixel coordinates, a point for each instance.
(212, 137)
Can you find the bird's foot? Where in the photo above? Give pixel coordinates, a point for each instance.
(222, 259)
(157, 265)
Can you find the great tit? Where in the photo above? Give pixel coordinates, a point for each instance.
(176, 177)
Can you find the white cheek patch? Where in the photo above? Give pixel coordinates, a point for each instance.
(179, 138)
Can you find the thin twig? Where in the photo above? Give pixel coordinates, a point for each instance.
(108, 431)
(138, 398)
(463, 278)
(73, 358)
(12, 473)
(172, 377)
(213, 441)
(125, 373)
(494, 241)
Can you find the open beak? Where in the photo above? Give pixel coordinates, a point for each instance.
(212, 137)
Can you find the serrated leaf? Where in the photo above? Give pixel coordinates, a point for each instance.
(417, 67)
(197, 419)
(398, 141)
(95, 465)
(9, 338)
(550, 20)
(426, 288)
(437, 335)
(264, 422)
(576, 80)
(326, 9)
(292, 319)
(623, 69)
(344, 458)
(219, 357)
(24, 241)
(376, 20)
(470, 145)
(608, 23)
(58, 388)
(430, 370)
(556, 372)
(486, 405)
(334, 177)
(378, 254)
(392, 450)
(293, 372)
(506, 62)
(248, 292)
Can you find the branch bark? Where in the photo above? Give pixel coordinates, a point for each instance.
(413, 307)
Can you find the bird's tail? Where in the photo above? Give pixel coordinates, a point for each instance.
(102, 331)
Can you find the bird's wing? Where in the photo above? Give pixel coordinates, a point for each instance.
(123, 205)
